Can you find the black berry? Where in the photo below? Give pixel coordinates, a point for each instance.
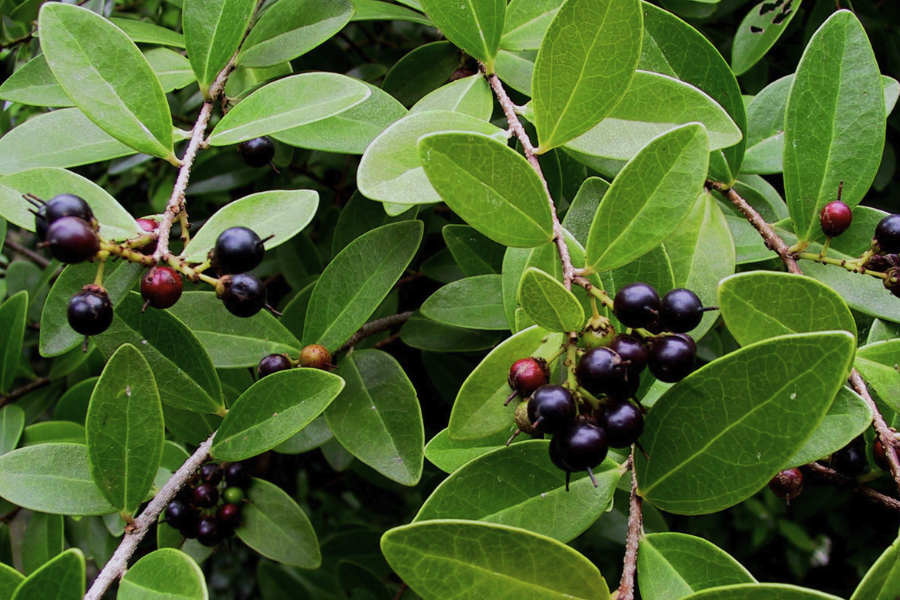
(887, 234)
(229, 515)
(211, 473)
(238, 475)
(528, 374)
(180, 515)
(601, 372)
(623, 423)
(72, 240)
(257, 152)
(238, 250)
(67, 205)
(671, 358)
(787, 484)
(582, 447)
(316, 356)
(680, 311)
(208, 532)
(272, 363)
(835, 218)
(850, 460)
(636, 305)
(206, 495)
(632, 351)
(90, 311)
(243, 295)
(161, 287)
(551, 409)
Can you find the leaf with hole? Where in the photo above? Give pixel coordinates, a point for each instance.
(759, 31)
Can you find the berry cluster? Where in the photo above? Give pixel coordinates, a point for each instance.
(196, 511)
(314, 356)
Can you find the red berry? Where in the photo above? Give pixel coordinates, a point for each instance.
(148, 225)
(835, 218)
(161, 287)
(787, 484)
(229, 515)
(527, 375)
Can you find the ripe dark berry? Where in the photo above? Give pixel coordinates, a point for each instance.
(680, 311)
(229, 515)
(161, 287)
(149, 226)
(206, 495)
(72, 240)
(40, 223)
(527, 375)
(835, 218)
(671, 358)
(316, 356)
(600, 371)
(850, 460)
(623, 423)
(887, 234)
(208, 532)
(787, 484)
(67, 205)
(272, 363)
(582, 447)
(632, 351)
(238, 475)
(257, 152)
(211, 473)
(238, 250)
(179, 515)
(233, 495)
(90, 310)
(636, 305)
(880, 456)
(243, 295)
(552, 409)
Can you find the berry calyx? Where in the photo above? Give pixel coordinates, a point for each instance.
(892, 281)
(582, 447)
(551, 409)
(597, 333)
(257, 152)
(233, 495)
(680, 311)
(528, 374)
(887, 234)
(211, 473)
(623, 423)
(244, 295)
(72, 240)
(161, 287)
(208, 532)
(601, 372)
(316, 356)
(272, 363)
(149, 226)
(671, 358)
(238, 475)
(632, 351)
(90, 311)
(636, 305)
(787, 484)
(835, 218)
(206, 495)
(238, 250)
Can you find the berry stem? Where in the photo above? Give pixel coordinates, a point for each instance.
(881, 428)
(595, 292)
(98, 279)
(635, 532)
(27, 252)
(373, 327)
(571, 362)
(831, 476)
(854, 266)
(126, 253)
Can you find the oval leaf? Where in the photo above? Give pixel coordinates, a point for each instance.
(527, 22)
(759, 31)
(12, 330)
(883, 579)
(877, 362)
(473, 302)
(35, 85)
(12, 424)
(470, 95)
(272, 410)
(549, 303)
(473, 25)
(847, 418)
(448, 455)
(760, 591)
(213, 30)
(166, 572)
(63, 578)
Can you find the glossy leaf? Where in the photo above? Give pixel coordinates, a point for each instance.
(448, 454)
(12, 423)
(760, 305)
(759, 31)
(147, 33)
(43, 540)
(12, 330)
(882, 580)
(473, 25)
(174, 70)
(281, 214)
(426, 334)
(473, 303)
(648, 198)
(291, 29)
(357, 280)
(765, 132)
(865, 294)
(359, 216)
(213, 30)
(377, 416)
(107, 77)
(584, 67)
(277, 528)
(63, 578)
(527, 22)
(166, 572)
(876, 362)
(309, 438)
(10, 579)
(519, 486)
(287, 103)
(447, 559)
(52, 478)
(34, 84)
(474, 253)
(548, 303)
(421, 71)
(760, 591)
(391, 171)
(834, 124)
(49, 432)
(274, 409)
(478, 410)
(125, 430)
(376, 10)
(470, 95)
(847, 419)
(675, 565)
(506, 202)
(748, 426)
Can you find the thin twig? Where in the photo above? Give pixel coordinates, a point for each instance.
(27, 252)
(831, 476)
(136, 531)
(884, 433)
(25, 389)
(635, 531)
(374, 327)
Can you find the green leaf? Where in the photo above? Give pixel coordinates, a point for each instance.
(12, 330)
(473, 25)
(527, 22)
(374, 10)
(359, 216)
(230, 341)
(455, 559)
(421, 71)
(474, 253)
(43, 540)
(51, 432)
(834, 124)
(516, 69)
(426, 334)
(448, 454)
(470, 95)
(391, 171)
(847, 419)
(125, 430)
(281, 214)
(653, 105)
(506, 202)
(479, 411)
(883, 579)
(584, 67)
(759, 31)
(213, 30)
(865, 294)
(164, 573)
(309, 438)
(183, 370)
(274, 409)
(760, 591)
(357, 280)
(10, 579)
(761, 304)
(12, 423)
(520, 487)
(548, 303)
(277, 528)
(63, 578)
(377, 416)
(648, 198)
(675, 565)
(288, 103)
(877, 364)
(473, 303)
(291, 29)
(107, 77)
(52, 478)
(765, 132)
(62, 138)
(147, 33)
(174, 70)
(748, 425)
(35, 85)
